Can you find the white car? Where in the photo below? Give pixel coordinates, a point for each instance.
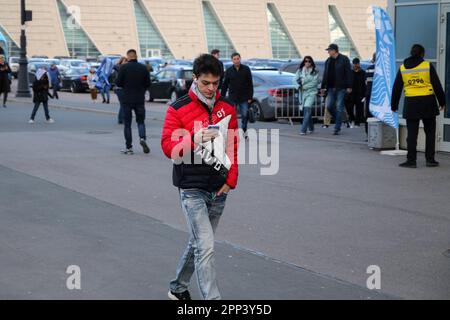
(14, 65)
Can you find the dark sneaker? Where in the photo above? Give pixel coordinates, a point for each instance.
(336, 133)
(179, 296)
(145, 146)
(432, 163)
(408, 164)
(127, 151)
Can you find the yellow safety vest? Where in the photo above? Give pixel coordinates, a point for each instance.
(417, 81)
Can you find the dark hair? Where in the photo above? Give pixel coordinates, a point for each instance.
(235, 54)
(356, 61)
(207, 64)
(313, 65)
(215, 51)
(131, 51)
(418, 50)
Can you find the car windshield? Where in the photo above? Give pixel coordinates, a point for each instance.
(77, 71)
(14, 60)
(77, 63)
(40, 65)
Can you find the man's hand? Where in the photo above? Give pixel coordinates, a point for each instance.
(250, 101)
(349, 90)
(322, 92)
(441, 108)
(205, 135)
(225, 189)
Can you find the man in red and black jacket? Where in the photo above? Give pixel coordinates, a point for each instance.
(200, 135)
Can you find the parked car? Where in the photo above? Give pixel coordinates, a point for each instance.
(33, 67)
(180, 62)
(75, 80)
(170, 83)
(39, 57)
(74, 63)
(155, 65)
(62, 57)
(264, 64)
(14, 65)
(276, 90)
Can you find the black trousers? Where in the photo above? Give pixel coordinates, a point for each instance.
(139, 110)
(413, 132)
(36, 107)
(355, 110)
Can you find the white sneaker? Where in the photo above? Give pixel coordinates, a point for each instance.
(31, 121)
(50, 120)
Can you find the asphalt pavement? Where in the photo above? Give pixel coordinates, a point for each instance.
(68, 197)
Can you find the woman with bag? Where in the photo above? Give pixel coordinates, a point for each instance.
(40, 94)
(307, 78)
(5, 72)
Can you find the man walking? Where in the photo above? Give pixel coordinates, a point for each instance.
(216, 54)
(354, 103)
(134, 80)
(422, 86)
(200, 135)
(238, 80)
(337, 81)
(370, 72)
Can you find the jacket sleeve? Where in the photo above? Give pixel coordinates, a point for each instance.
(225, 84)
(250, 84)
(232, 151)
(173, 136)
(147, 78)
(437, 87)
(397, 91)
(296, 80)
(348, 73)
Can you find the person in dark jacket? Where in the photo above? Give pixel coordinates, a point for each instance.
(370, 73)
(118, 90)
(354, 102)
(337, 81)
(40, 94)
(134, 80)
(200, 135)
(5, 85)
(55, 80)
(421, 84)
(216, 54)
(239, 82)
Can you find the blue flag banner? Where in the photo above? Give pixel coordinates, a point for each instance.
(385, 70)
(103, 72)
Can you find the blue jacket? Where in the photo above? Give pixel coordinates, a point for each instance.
(54, 76)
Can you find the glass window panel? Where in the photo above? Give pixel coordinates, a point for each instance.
(13, 49)
(339, 36)
(78, 43)
(282, 45)
(150, 40)
(215, 34)
(416, 24)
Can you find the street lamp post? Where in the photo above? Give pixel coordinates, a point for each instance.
(23, 89)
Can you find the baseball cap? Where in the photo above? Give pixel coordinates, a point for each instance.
(332, 46)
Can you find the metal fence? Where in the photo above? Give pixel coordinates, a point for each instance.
(287, 105)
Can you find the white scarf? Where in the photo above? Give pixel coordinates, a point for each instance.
(40, 73)
(209, 102)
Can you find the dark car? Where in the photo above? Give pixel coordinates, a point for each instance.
(264, 64)
(75, 80)
(170, 83)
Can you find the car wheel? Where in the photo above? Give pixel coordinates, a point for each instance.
(73, 88)
(173, 97)
(259, 114)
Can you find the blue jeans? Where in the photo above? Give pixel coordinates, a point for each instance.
(119, 93)
(335, 105)
(105, 92)
(139, 111)
(243, 109)
(203, 210)
(307, 120)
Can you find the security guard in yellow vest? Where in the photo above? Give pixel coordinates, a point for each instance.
(422, 86)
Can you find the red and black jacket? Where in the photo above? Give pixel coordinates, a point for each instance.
(215, 167)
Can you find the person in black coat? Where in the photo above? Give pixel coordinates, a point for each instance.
(134, 79)
(422, 86)
(354, 101)
(5, 85)
(239, 82)
(216, 54)
(40, 94)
